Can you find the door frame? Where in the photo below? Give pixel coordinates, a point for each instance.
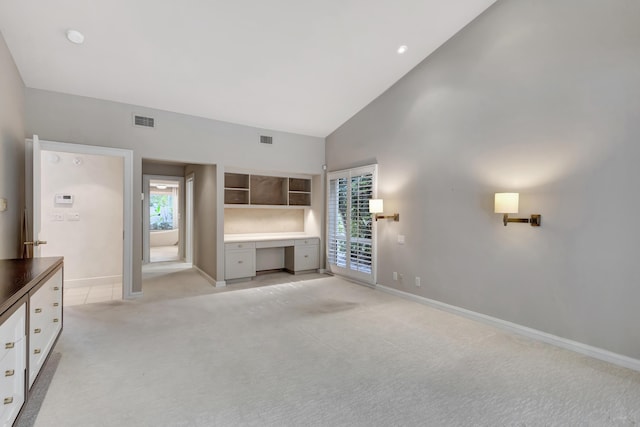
(146, 247)
(188, 217)
(127, 214)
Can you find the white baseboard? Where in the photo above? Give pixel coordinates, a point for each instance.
(578, 347)
(214, 282)
(92, 281)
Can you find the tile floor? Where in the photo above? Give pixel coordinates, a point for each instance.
(90, 294)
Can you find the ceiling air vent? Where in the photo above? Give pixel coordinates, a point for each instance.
(147, 122)
(266, 139)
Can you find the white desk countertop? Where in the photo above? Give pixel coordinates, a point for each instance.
(265, 237)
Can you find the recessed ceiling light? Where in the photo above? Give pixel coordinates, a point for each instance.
(161, 187)
(75, 36)
(402, 49)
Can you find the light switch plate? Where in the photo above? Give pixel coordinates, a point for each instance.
(73, 216)
(401, 239)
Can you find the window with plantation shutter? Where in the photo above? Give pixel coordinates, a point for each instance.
(350, 239)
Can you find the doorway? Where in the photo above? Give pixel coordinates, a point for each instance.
(71, 207)
(166, 231)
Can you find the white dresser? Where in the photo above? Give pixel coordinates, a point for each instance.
(30, 323)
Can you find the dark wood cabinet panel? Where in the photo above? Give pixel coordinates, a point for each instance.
(300, 184)
(236, 180)
(268, 190)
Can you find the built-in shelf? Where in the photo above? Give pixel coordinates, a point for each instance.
(268, 190)
(236, 188)
(236, 180)
(265, 190)
(299, 184)
(299, 199)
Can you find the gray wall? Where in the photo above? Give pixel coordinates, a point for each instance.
(150, 167)
(178, 138)
(11, 153)
(205, 218)
(538, 97)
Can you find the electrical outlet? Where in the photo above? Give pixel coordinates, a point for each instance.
(57, 216)
(418, 281)
(400, 276)
(395, 275)
(3, 204)
(401, 239)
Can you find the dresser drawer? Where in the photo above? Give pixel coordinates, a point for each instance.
(12, 367)
(12, 331)
(45, 322)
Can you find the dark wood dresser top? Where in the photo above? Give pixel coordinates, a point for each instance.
(18, 276)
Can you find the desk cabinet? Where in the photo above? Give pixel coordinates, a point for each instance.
(239, 260)
(299, 255)
(303, 256)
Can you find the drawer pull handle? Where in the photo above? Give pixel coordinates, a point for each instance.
(38, 310)
(239, 262)
(55, 304)
(8, 400)
(37, 351)
(9, 373)
(56, 288)
(306, 256)
(37, 330)
(56, 320)
(9, 345)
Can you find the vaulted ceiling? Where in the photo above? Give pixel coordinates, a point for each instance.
(290, 65)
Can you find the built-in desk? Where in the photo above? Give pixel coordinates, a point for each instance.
(248, 254)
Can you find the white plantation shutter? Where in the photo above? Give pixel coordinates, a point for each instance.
(337, 245)
(350, 232)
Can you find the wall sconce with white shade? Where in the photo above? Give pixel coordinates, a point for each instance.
(376, 206)
(507, 203)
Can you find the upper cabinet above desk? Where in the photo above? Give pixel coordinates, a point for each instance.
(263, 190)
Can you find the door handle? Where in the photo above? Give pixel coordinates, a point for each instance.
(36, 243)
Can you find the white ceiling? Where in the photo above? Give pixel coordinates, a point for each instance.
(303, 66)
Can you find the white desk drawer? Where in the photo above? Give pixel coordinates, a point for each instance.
(239, 264)
(274, 244)
(239, 245)
(312, 241)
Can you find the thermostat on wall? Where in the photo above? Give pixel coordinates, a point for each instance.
(64, 199)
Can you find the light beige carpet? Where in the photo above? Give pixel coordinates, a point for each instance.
(323, 352)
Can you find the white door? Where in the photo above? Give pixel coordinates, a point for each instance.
(36, 239)
(351, 249)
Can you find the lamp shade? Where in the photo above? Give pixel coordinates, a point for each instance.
(376, 206)
(506, 203)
